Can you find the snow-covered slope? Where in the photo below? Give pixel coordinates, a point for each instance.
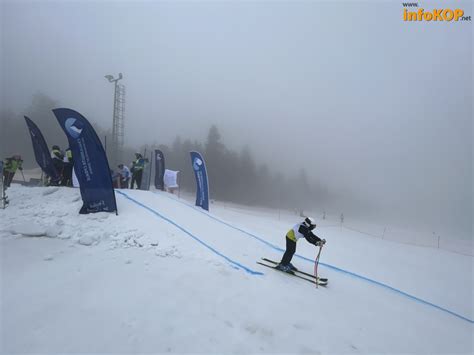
(163, 276)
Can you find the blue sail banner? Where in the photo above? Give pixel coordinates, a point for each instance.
(90, 162)
(202, 191)
(42, 156)
(159, 170)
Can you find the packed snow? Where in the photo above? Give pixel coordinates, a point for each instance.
(164, 276)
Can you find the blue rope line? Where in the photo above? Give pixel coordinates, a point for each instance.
(335, 268)
(378, 283)
(232, 262)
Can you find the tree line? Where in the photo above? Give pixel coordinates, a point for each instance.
(236, 176)
(233, 175)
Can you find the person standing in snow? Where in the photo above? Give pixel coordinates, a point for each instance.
(124, 176)
(137, 170)
(10, 168)
(299, 230)
(58, 162)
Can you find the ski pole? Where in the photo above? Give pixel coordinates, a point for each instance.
(316, 263)
(21, 171)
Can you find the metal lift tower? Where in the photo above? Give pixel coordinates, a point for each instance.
(118, 121)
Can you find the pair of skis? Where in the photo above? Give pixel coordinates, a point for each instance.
(320, 281)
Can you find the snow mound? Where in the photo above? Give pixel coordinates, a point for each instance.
(88, 240)
(53, 231)
(54, 212)
(28, 229)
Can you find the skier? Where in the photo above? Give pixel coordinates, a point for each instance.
(300, 230)
(58, 162)
(11, 165)
(124, 176)
(137, 170)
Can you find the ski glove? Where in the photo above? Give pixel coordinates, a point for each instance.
(321, 243)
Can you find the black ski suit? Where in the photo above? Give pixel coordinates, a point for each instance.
(292, 237)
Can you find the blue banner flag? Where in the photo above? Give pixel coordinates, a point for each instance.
(202, 191)
(159, 170)
(42, 156)
(90, 162)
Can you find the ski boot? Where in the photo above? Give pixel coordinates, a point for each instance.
(284, 268)
(292, 267)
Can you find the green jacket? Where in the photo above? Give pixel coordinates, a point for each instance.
(138, 164)
(57, 154)
(11, 165)
(69, 155)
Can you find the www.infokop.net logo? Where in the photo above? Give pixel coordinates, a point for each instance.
(73, 127)
(413, 12)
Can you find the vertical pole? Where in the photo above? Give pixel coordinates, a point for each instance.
(179, 186)
(114, 128)
(316, 263)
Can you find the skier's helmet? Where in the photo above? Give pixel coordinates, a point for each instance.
(310, 223)
(55, 147)
(138, 155)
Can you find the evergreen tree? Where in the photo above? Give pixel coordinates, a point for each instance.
(215, 162)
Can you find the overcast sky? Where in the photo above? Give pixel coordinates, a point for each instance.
(367, 103)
